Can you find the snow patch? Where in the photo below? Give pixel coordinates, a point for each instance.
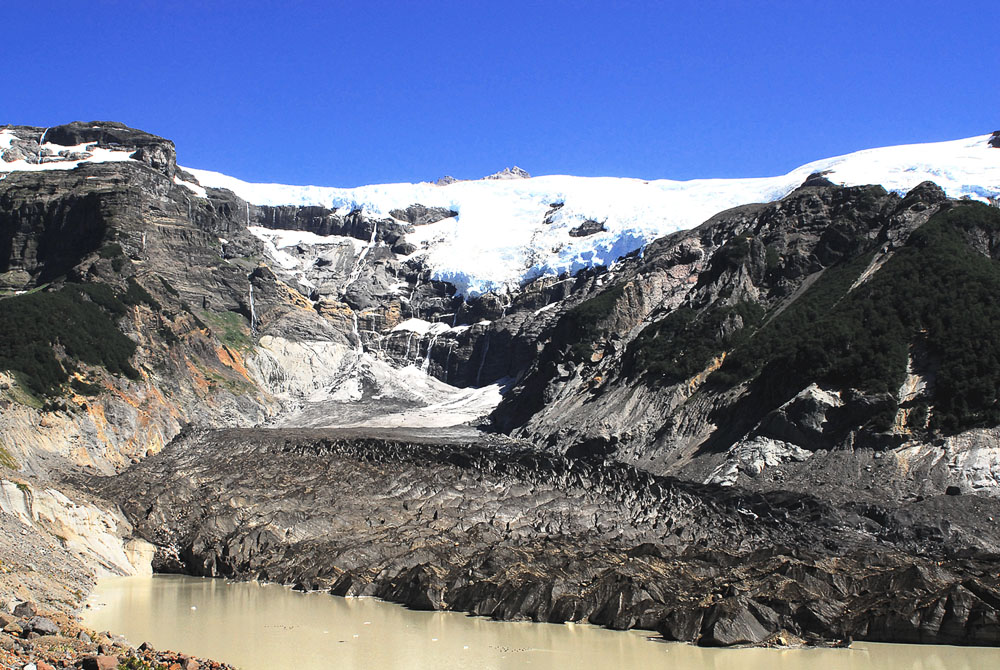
(422, 328)
(96, 155)
(194, 188)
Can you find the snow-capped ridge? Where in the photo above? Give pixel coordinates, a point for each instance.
(507, 232)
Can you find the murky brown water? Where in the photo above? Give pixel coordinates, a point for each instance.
(269, 627)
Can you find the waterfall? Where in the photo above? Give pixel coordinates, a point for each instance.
(357, 333)
(427, 359)
(482, 361)
(413, 310)
(41, 140)
(409, 338)
(447, 359)
(253, 310)
(356, 271)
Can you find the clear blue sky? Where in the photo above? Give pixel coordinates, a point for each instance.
(346, 93)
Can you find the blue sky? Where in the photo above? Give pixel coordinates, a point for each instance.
(347, 93)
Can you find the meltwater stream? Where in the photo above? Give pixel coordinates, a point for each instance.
(259, 627)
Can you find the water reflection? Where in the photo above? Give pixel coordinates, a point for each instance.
(269, 627)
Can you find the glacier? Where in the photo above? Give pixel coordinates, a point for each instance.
(508, 232)
(511, 231)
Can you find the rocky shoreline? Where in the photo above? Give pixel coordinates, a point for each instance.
(500, 530)
(33, 638)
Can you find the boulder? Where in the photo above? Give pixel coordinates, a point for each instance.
(14, 154)
(24, 610)
(801, 420)
(100, 662)
(738, 621)
(42, 626)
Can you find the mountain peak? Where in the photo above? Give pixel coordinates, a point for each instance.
(509, 173)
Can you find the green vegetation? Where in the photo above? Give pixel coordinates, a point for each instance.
(685, 342)
(136, 294)
(937, 290)
(7, 460)
(799, 327)
(230, 328)
(216, 379)
(19, 393)
(110, 250)
(85, 388)
(79, 319)
(581, 325)
(772, 259)
(169, 287)
(136, 663)
(728, 257)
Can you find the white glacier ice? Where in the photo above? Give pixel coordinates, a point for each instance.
(507, 231)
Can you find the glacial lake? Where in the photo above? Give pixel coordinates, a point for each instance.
(270, 627)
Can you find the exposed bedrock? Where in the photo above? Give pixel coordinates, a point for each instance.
(497, 529)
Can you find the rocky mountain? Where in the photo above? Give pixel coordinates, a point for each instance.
(789, 371)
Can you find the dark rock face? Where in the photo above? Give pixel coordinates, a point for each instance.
(418, 215)
(47, 222)
(995, 140)
(52, 224)
(322, 221)
(156, 152)
(587, 228)
(817, 179)
(500, 530)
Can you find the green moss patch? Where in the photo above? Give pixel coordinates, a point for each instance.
(230, 327)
